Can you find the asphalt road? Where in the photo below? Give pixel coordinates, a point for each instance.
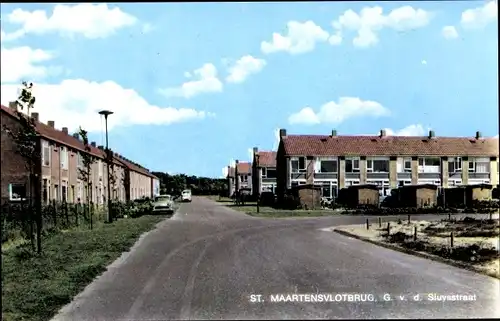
(206, 261)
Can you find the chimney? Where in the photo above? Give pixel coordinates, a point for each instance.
(255, 150)
(432, 134)
(51, 123)
(478, 135)
(75, 135)
(65, 130)
(334, 132)
(383, 133)
(35, 116)
(13, 105)
(282, 132)
(100, 147)
(92, 144)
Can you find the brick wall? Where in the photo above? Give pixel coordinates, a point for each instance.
(14, 169)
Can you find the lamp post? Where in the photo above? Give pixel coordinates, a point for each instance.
(257, 156)
(106, 113)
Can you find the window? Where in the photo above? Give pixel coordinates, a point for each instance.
(298, 165)
(100, 167)
(429, 165)
(294, 184)
(328, 166)
(407, 165)
(45, 192)
(64, 192)
(326, 190)
(271, 173)
(479, 165)
(45, 154)
(80, 160)
(79, 195)
(264, 172)
(352, 165)
(64, 157)
(17, 192)
(455, 165)
(377, 166)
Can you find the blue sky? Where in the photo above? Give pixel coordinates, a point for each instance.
(194, 86)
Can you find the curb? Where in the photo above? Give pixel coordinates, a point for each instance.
(419, 254)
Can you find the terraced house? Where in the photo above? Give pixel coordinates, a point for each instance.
(61, 157)
(239, 176)
(335, 162)
(263, 171)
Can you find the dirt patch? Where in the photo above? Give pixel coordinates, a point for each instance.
(475, 242)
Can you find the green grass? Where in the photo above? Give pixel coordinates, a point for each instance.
(36, 287)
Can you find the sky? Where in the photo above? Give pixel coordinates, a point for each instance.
(195, 86)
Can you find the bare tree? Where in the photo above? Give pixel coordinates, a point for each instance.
(85, 173)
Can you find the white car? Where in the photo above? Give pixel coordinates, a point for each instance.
(186, 195)
(163, 204)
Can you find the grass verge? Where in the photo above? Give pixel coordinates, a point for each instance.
(479, 254)
(36, 287)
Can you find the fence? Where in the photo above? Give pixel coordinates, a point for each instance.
(19, 218)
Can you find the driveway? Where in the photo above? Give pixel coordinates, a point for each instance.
(206, 261)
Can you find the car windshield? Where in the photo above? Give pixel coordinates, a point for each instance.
(163, 198)
(186, 192)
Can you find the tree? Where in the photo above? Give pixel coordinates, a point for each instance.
(85, 173)
(27, 141)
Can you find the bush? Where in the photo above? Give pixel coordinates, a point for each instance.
(267, 199)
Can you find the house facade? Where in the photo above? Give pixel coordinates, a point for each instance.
(239, 176)
(61, 164)
(336, 162)
(263, 171)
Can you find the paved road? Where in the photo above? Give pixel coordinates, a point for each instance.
(207, 260)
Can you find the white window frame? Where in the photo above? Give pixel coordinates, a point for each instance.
(406, 169)
(428, 168)
(352, 159)
(63, 153)
(46, 146)
(263, 172)
(475, 160)
(299, 169)
(317, 167)
(11, 198)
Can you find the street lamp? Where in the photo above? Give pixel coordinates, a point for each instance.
(106, 113)
(257, 156)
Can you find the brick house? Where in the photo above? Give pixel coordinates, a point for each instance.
(239, 176)
(61, 160)
(263, 171)
(336, 162)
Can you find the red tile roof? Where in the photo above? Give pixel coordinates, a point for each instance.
(70, 141)
(267, 159)
(243, 168)
(319, 145)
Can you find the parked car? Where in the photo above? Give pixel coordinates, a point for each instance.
(186, 195)
(163, 204)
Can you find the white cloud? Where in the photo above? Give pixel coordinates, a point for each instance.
(411, 130)
(207, 82)
(480, 16)
(90, 20)
(336, 38)
(338, 112)
(301, 38)
(224, 172)
(370, 20)
(22, 63)
(147, 28)
(449, 32)
(187, 74)
(244, 67)
(76, 102)
(496, 136)
(424, 62)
